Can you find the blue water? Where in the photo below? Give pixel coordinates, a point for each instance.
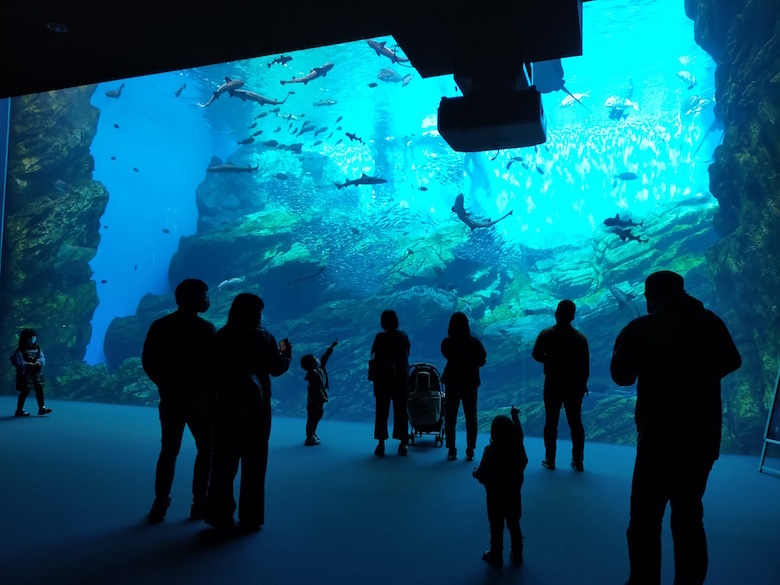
(560, 199)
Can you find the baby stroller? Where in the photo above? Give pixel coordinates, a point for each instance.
(426, 403)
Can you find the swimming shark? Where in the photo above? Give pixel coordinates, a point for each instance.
(227, 286)
(283, 60)
(363, 180)
(229, 86)
(625, 300)
(314, 74)
(460, 211)
(250, 96)
(115, 93)
(617, 222)
(230, 168)
(627, 235)
(182, 87)
(381, 49)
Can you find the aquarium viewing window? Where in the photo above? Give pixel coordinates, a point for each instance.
(319, 179)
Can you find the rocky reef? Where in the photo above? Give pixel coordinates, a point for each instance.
(742, 36)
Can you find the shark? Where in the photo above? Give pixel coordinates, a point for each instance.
(313, 74)
(381, 49)
(250, 96)
(460, 211)
(182, 87)
(548, 77)
(363, 180)
(625, 300)
(229, 87)
(627, 235)
(230, 168)
(283, 59)
(115, 93)
(227, 286)
(617, 222)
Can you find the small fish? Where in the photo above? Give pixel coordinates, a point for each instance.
(276, 110)
(104, 281)
(271, 143)
(514, 158)
(339, 119)
(252, 126)
(317, 143)
(321, 130)
(166, 231)
(105, 227)
(305, 129)
(281, 176)
(258, 133)
(249, 140)
(116, 126)
(136, 170)
(497, 153)
(339, 141)
(278, 129)
(261, 115)
(291, 92)
(625, 176)
(113, 158)
(338, 128)
(135, 267)
(355, 231)
(329, 136)
(373, 84)
(325, 103)
(178, 91)
(540, 169)
(688, 78)
(59, 184)
(423, 188)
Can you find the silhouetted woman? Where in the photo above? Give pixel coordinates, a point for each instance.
(389, 370)
(247, 356)
(465, 355)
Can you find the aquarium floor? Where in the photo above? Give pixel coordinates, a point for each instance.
(76, 486)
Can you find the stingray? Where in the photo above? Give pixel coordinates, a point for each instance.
(548, 77)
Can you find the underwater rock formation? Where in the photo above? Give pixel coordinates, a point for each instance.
(52, 220)
(742, 37)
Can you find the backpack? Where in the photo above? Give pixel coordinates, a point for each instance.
(381, 365)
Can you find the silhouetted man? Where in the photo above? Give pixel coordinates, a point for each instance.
(176, 356)
(678, 352)
(564, 352)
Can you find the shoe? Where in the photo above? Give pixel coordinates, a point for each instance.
(380, 450)
(315, 436)
(159, 510)
(548, 464)
(43, 410)
(452, 455)
(198, 511)
(577, 466)
(21, 413)
(224, 523)
(249, 527)
(311, 441)
(469, 454)
(494, 559)
(402, 450)
(516, 558)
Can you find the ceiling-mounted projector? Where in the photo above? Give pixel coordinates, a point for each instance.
(493, 120)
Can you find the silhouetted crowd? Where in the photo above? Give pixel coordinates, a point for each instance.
(218, 383)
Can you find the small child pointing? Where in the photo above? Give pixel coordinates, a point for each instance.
(317, 377)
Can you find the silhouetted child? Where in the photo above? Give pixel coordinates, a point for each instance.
(28, 360)
(501, 472)
(317, 378)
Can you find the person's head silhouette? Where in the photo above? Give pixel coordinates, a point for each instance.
(246, 311)
(389, 320)
(661, 288)
(192, 295)
(564, 314)
(459, 325)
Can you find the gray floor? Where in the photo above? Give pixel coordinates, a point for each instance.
(76, 485)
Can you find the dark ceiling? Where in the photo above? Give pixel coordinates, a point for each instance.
(116, 40)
